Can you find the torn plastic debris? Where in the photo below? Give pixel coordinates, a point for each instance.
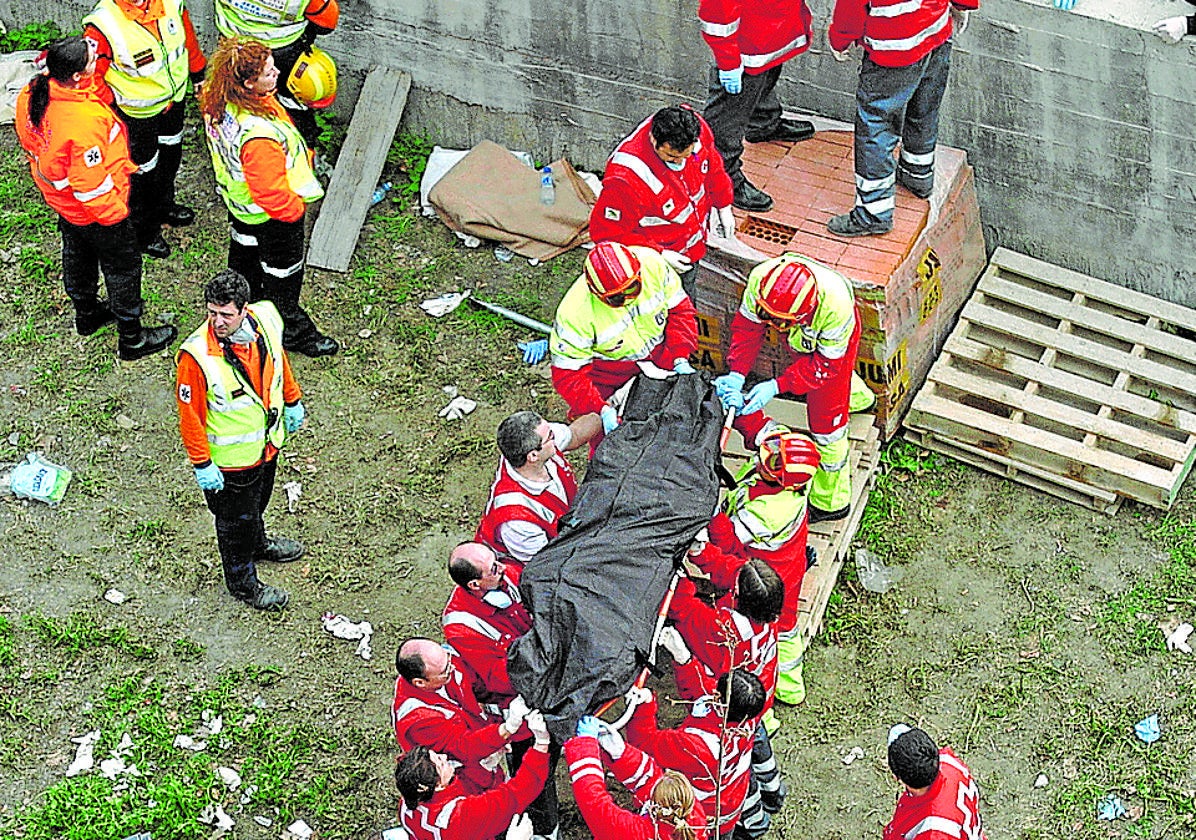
(852, 755)
(1148, 730)
(1178, 638)
(1042, 781)
(294, 491)
(213, 724)
(214, 815)
(115, 596)
(344, 628)
(1110, 808)
(298, 830)
(230, 777)
(457, 408)
(186, 742)
(36, 478)
(115, 766)
(84, 753)
(875, 575)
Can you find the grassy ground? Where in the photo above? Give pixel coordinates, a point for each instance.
(1024, 633)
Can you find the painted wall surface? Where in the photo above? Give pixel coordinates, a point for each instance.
(1080, 129)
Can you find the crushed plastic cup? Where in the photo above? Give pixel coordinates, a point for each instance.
(875, 575)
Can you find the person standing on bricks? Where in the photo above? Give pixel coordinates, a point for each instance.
(238, 401)
(147, 52)
(751, 41)
(263, 173)
(79, 156)
(907, 57)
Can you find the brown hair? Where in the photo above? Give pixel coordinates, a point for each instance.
(672, 803)
(236, 61)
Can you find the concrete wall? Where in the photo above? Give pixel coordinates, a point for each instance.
(1080, 129)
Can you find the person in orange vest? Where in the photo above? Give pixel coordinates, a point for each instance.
(147, 53)
(79, 157)
(264, 174)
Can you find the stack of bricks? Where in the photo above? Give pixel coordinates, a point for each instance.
(910, 283)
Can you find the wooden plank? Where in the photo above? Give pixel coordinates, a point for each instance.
(375, 119)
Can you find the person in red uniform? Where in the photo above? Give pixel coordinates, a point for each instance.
(534, 485)
(751, 41)
(438, 805)
(155, 129)
(941, 799)
(693, 748)
(669, 809)
(662, 184)
(79, 158)
(907, 58)
(434, 707)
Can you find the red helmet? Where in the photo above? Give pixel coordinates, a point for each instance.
(788, 292)
(788, 459)
(611, 269)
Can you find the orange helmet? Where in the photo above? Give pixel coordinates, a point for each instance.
(613, 273)
(788, 459)
(788, 293)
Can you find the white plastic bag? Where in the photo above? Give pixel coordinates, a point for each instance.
(36, 478)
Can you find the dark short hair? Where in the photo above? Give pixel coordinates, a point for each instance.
(675, 126)
(517, 436)
(747, 695)
(761, 592)
(461, 570)
(410, 667)
(416, 777)
(914, 758)
(228, 286)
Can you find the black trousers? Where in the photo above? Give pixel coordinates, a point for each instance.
(156, 146)
(240, 528)
(755, 110)
(303, 118)
(89, 249)
(545, 808)
(270, 255)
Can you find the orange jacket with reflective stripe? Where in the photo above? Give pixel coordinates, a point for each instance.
(79, 156)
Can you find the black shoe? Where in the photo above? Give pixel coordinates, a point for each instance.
(752, 199)
(848, 225)
(159, 248)
(773, 802)
(264, 597)
(281, 550)
(820, 515)
(145, 343)
(787, 131)
(922, 190)
(811, 557)
(320, 345)
(179, 216)
(90, 320)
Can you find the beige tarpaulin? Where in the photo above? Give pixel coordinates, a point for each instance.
(491, 194)
(16, 69)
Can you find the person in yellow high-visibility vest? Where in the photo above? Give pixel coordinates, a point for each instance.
(238, 401)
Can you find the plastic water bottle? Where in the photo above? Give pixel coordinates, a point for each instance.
(381, 192)
(547, 189)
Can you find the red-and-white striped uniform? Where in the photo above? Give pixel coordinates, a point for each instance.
(948, 811)
(755, 34)
(481, 634)
(895, 33)
(510, 500)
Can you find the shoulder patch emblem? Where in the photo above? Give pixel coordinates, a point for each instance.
(93, 156)
(185, 394)
(613, 214)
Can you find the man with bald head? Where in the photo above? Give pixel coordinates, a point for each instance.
(435, 707)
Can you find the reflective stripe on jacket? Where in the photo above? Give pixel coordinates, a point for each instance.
(754, 34)
(147, 72)
(275, 24)
(895, 33)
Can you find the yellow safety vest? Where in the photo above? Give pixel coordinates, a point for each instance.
(146, 74)
(239, 424)
(771, 519)
(834, 320)
(227, 136)
(275, 23)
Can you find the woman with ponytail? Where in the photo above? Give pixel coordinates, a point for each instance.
(79, 155)
(669, 809)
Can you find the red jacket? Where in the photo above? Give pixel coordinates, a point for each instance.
(635, 771)
(692, 749)
(80, 156)
(643, 202)
(755, 34)
(720, 639)
(510, 500)
(895, 33)
(806, 371)
(481, 634)
(948, 811)
(456, 814)
(450, 721)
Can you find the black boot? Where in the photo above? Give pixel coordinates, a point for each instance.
(751, 198)
(88, 321)
(144, 342)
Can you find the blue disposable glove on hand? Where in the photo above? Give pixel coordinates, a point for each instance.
(731, 80)
(732, 401)
(534, 351)
(728, 383)
(292, 416)
(610, 420)
(761, 395)
(610, 740)
(588, 727)
(1065, 4)
(682, 366)
(210, 478)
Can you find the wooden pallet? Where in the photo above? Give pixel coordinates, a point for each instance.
(831, 539)
(1066, 383)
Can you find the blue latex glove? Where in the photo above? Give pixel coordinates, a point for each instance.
(1065, 4)
(760, 396)
(534, 351)
(210, 478)
(292, 416)
(588, 727)
(731, 400)
(610, 420)
(683, 366)
(729, 383)
(732, 80)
